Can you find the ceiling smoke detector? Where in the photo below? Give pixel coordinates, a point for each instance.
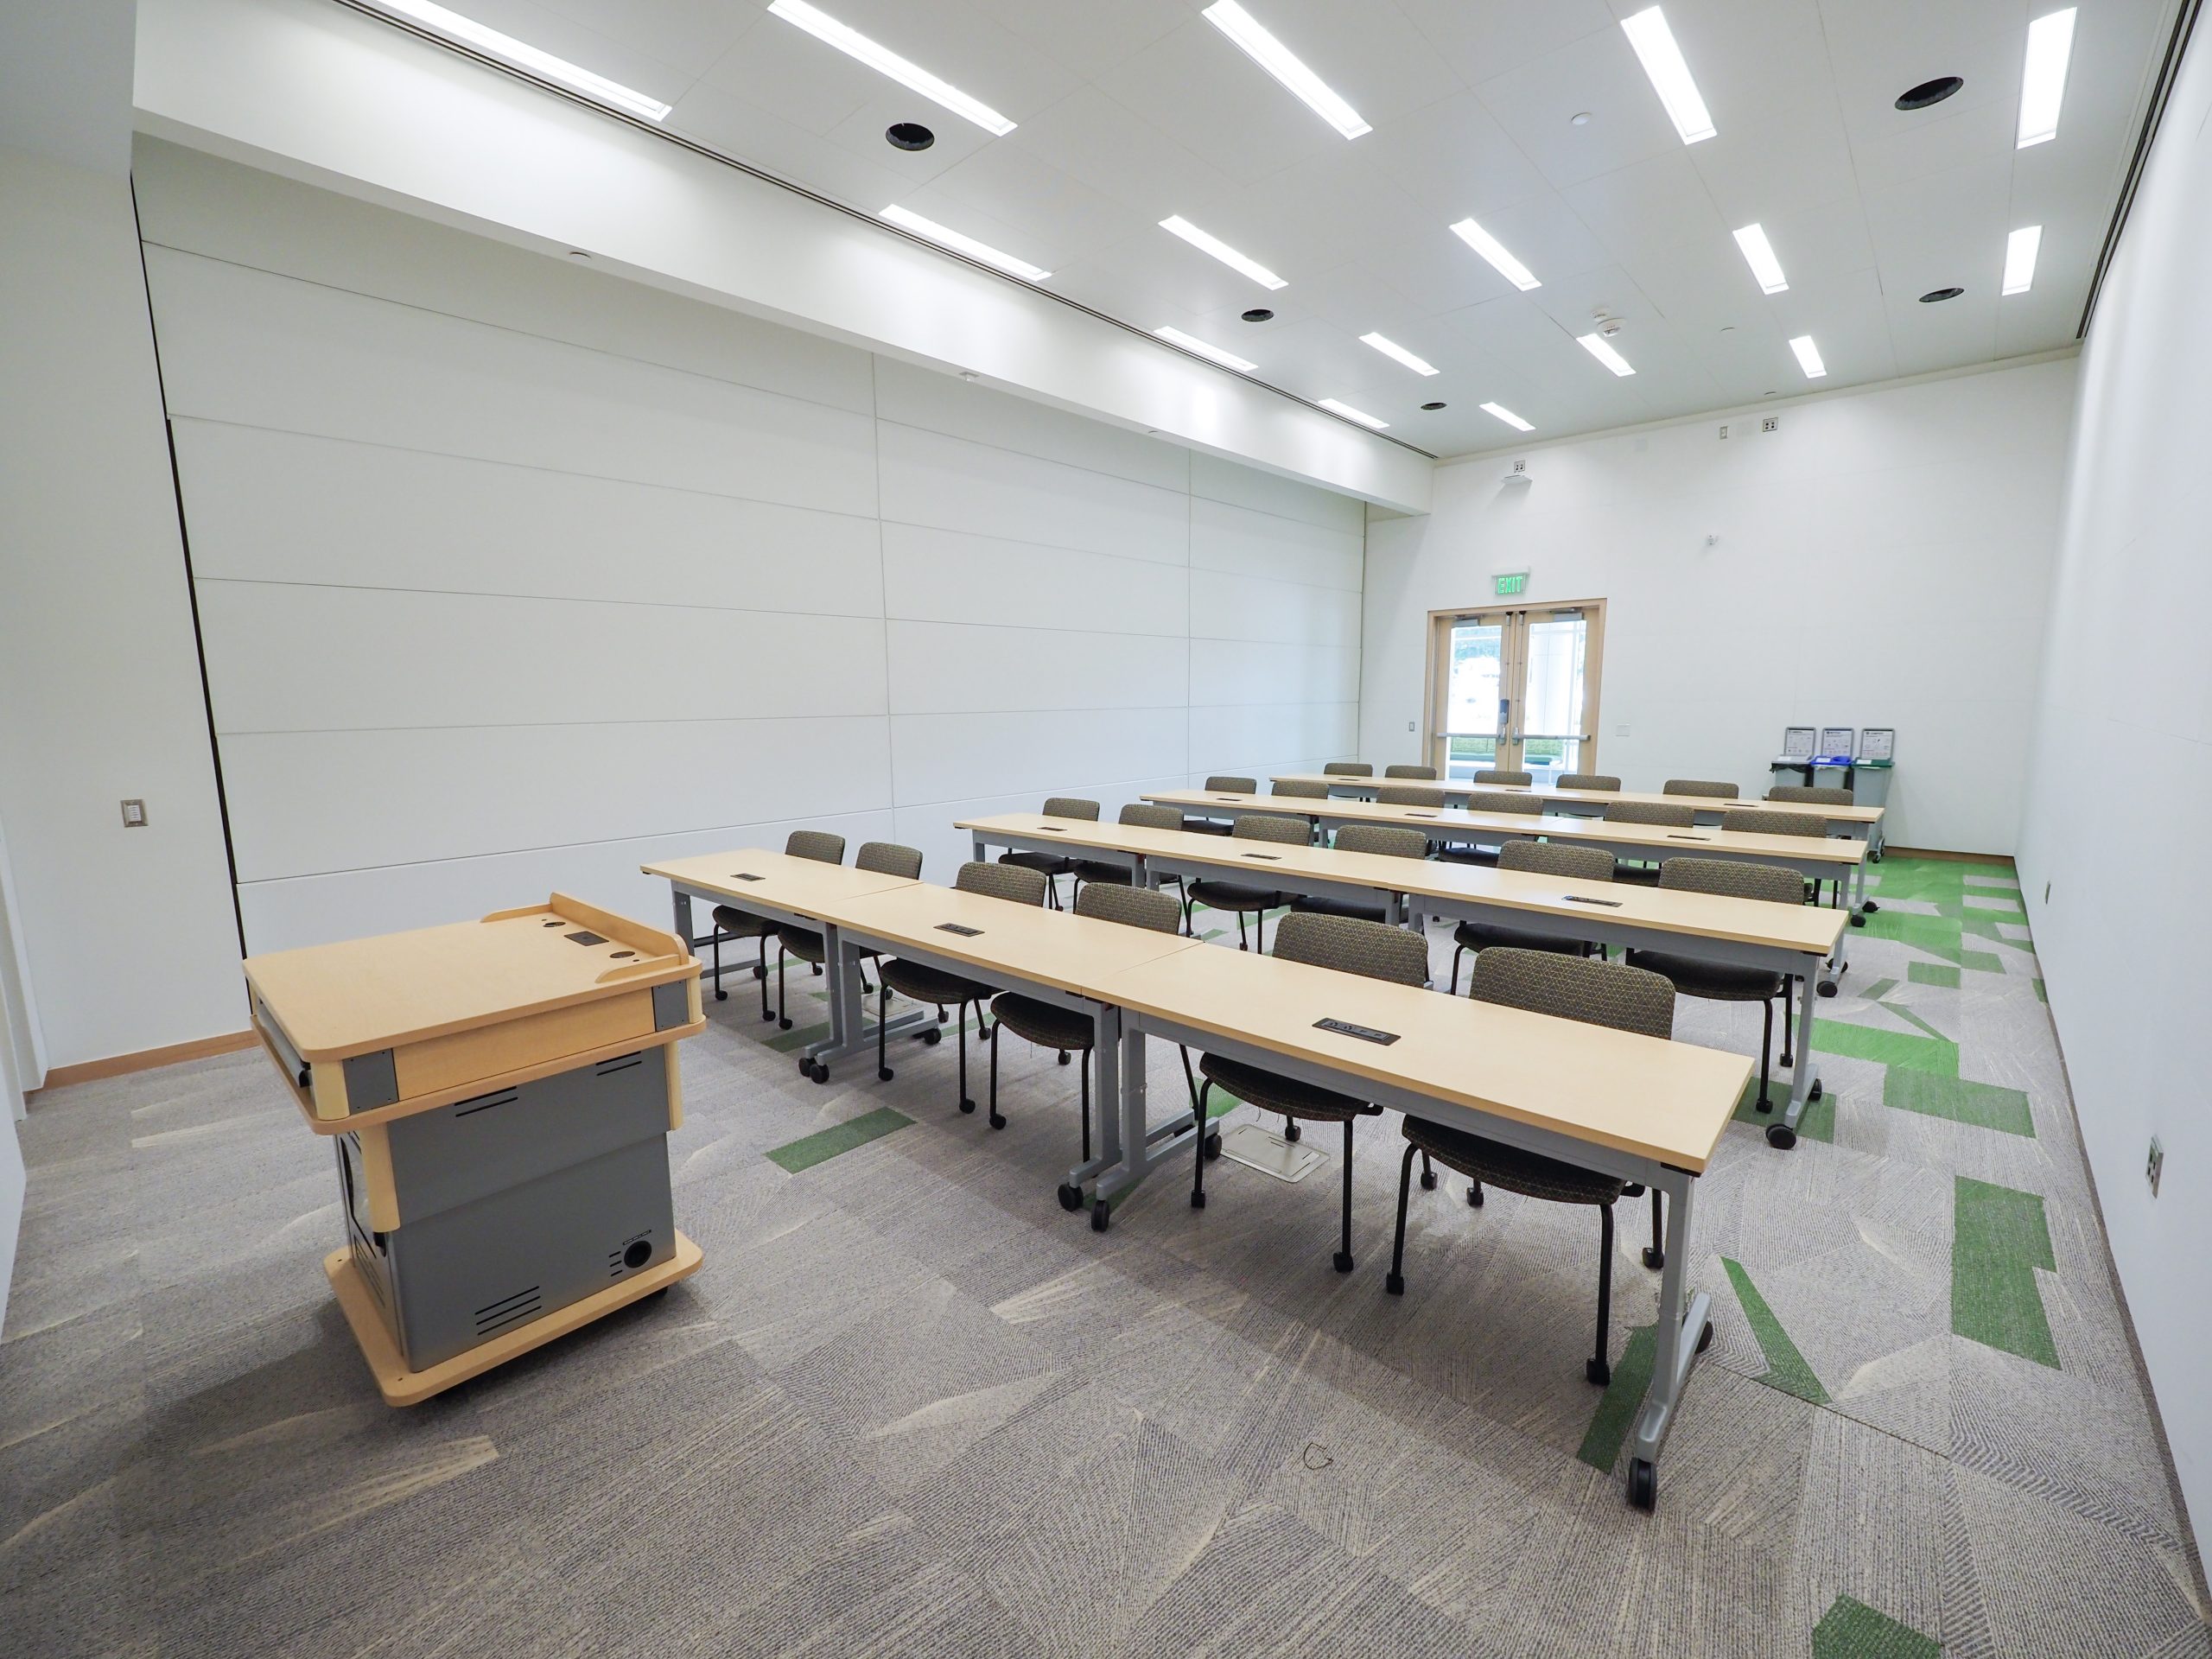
(1608, 326)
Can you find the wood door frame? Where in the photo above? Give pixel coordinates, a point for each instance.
(1438, 630)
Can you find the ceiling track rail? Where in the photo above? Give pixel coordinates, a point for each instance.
(2161, 92)
(513, 72)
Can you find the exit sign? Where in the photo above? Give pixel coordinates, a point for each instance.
(1509, 585)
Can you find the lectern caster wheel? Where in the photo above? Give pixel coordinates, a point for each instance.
(1070, 1197)
(931, 1037)
(1100, 1211)
(1780, 1136)
(1642, 1486)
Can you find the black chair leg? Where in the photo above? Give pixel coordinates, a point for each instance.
(1475, 1194)
(1788, 986)
(1766, 1055)
(1396, 1284)
(997, 1122)
(1427, 1175)
(960, 1032)
(1086, 1109)
(760, 974)
(714, 943)
(1240, 943)
(1344, 1246)
(1458, 950)
(783, 1020)
(882, 1018)
(1655, 1257)
(1191, 1083)
(1199, 1179)
(1597, 1371)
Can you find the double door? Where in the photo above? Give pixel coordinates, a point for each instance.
(1514, 689)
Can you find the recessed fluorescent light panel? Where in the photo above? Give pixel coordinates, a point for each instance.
(883, 61)
(1759, 253)
(1601, 348)
(2020, 250)
(1351, 413)
(1390, 348)
(1220, 250)
(522, 56)
(1808, 357)
(981, 251)
(2042, 83)
(1279, 60)
(1671, 76)
(1494, 250)
(1211, 353)
(1508, 416)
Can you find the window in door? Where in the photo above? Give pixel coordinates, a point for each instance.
(1515, 689)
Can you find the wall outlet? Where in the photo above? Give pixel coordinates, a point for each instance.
(2155, 1166)
(1724, 431)
(1770, 423)
(1410, 726)
(134, 814)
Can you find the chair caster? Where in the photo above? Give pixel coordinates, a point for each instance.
(1705, 1336)
(1099, 1213)
(1598, 1371)
(1643, 1486)
(721, 995)
(765, 1018)
(1428, 1180)
(1654, 1259)
(1291, 1132)
(1070, 1197)
(1343, 1261)
(931, 1037)
(1197, 1200)
(884, 1074)
(1869, 906)
(1764, 1104)
(1213, 1144)
(1474, 1195)
(1858, 919)
(783, 1024)
(1064, 1057)
(806, 1065)
(997, 1121)
(1827, 987)
(968, 1106)
(1780, 1136)
(821, 1072)
(1396, 1284)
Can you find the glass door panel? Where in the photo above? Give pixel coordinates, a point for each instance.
(1549, 734)
(1472, 719)
(1515, 691)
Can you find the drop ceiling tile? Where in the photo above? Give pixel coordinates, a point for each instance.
(1888, 157)
(1366, 50)
(737, 127)
(1118, 153)
(1482, 41)
(1017, 190)
(956, 42)
(1943, 335)
(1648, 209)
(1317, 215)
(1084, 36)
(618, 53)
(786, 72)
(1453, 159)
(1598, 74)
(1877, 48)
(679, 32)
(1019, 234)
(1544, 234)
(862, 133)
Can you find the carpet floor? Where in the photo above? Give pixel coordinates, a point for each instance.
(909, 1406)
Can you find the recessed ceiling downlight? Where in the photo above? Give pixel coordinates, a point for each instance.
(1259, 314)
(1928, 92)
(1938, 296)
(1431, 406)
(909, 134)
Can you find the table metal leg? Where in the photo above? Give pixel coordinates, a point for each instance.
(681, 901)
(850, 1030)
(1860, 903)
(977, 850)
(1804, 1085)
(1680, 1336)
(1144, 1146)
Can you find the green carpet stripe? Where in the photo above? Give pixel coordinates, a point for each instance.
(2041, 995)
(1852, 1629)
(1817, 1124)
(1999, 1238)
(1910, 1017)
(1893, 1048)
(810, 1150)
(1984, 1105)
(1882, 988)
(1931, 973)
(1616, 1413)
(798, 1037)
(1786, 1369)
(1982, 962)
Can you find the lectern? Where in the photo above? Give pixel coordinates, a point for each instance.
(499, 1095)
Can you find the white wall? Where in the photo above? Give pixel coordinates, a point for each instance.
(1882, 560)
(513, 574)
(2126, 694)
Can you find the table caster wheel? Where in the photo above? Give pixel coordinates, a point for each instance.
(806, 1065)
(1428, 1180)
(1213, 1144)
(1070, 1197)
(1875, 856)
(1858, 919)
(1343, 1261)
(1100, 1212)
(1705, 1336)
(1871, 907)
(1653, 1259)
(1780, 1136)
(821, 1071)
(884, 1074)
(1826, 987)
(1642, 1486)
(932, 1037)
(1396, 1284)
(968, 1106)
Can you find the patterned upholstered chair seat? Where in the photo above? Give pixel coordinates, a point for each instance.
(1048, 1025)
(1495, 1164)
(737, 924)
(920, 983)
(1481, 936)
(1712, 981)
(1273, 1092)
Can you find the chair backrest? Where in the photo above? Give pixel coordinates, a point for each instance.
(1806, 795)
(1499, 801)
(1409, 795)
(1556, 858)
(817, 844)
(1070, 806)
(1750, 820)
(1301, 787)
(1732, 878)
(1598, 780)
(1229, 785)
(1016, 883)
(1711, 788)
(1664, 813)
(1129, 905)
(1389, 840)
(888, 858)
(1267, 826)
(1352, 947)
(1428, 772)
(1489, 776)
(1575, 987)
(1349, 769)
(1144, 815)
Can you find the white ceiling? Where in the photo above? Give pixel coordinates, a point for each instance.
(1128, 110)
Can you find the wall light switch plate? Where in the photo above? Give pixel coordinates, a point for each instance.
(1409, 725)
(1724, 431)
(2155, 1166)
(134, 814)
(1620, 731)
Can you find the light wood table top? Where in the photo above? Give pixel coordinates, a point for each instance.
(1026, 942)
(1808, 929)
(1840, 813)
(359, 995)
(1668, 1100)
(1662, 842)
(803, 885)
